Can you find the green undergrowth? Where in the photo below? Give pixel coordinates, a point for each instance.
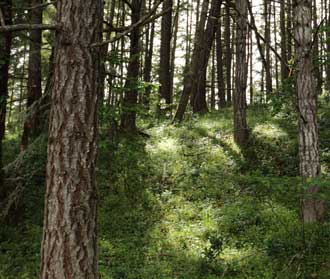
(187, 203)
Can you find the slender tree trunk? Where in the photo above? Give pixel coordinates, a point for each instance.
(228, 54)
(307, 97)
(284, 68)
(174, 44)
(220, 75)
(277, 83)
(327, 65)
(69, 246)
(268, 72)
(316, 52)
(251, 67)
(5, 47)
(241, 133)
(32, 127)
(148, 62)
(128, 117)
(212, 97)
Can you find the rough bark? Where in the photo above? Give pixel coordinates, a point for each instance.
(32, 127)
(241, 133)
(69, 246)
(307, 97)
(5, 46)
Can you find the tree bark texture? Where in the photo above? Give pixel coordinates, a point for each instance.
(241, 133)
(69, 246)
(307, 98)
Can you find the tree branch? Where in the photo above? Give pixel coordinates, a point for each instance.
(144, 20)
(40, 6)
(22, 27)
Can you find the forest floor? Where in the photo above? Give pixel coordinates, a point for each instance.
(186, 203)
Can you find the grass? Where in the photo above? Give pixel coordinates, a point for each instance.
(186, 203)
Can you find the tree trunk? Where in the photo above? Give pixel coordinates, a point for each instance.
(190, 78)
(174, 44)
(69, 246)
(199, 92)
(5, 46)
(307, 97)
(32, 127)
(268, 73)
(148, 63)
(241, 133)
(165, 53)
(220, 76)
(128, 116)
(228, 54)
(212, 97)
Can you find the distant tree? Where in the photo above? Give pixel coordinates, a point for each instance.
(129, 103)
(32, 125)
(198, 93)
(190, 78)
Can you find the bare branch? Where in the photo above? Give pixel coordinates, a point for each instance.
(22, 27)
(40, 6)
(144, 20)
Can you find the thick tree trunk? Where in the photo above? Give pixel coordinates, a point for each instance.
(307, 97)
(32, 127)
(241, 133)
(5, 46)
(128, 117)
(165, 53)
(69, 246)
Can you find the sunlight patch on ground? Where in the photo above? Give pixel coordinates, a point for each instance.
(270, 131)
(165, 145)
